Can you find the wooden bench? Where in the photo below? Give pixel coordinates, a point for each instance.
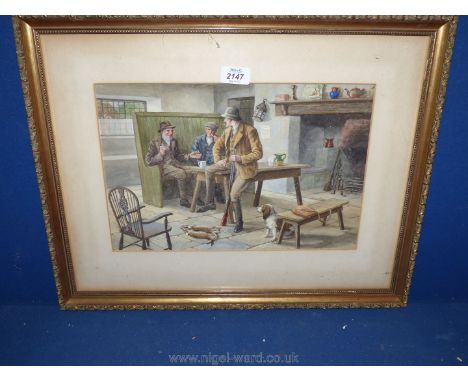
(324, 210)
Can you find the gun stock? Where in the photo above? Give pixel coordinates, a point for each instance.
(226, 213)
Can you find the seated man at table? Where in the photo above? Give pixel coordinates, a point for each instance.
(202, 149)
(243, 149)
(163, 151)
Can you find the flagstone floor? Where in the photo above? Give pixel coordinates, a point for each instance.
(313, 235)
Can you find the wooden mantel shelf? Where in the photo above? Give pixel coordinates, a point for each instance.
(323, 106)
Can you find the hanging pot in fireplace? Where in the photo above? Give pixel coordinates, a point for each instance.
(328, 143)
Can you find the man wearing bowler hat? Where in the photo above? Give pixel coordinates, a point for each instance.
(164, 152)
(242, 147)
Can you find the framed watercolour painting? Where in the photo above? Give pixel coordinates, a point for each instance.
(233, 162)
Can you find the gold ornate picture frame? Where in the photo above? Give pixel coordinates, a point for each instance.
(391, 69)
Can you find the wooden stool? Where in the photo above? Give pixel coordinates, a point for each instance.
(324, 210)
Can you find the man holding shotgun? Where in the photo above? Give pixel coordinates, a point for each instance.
(243, 149)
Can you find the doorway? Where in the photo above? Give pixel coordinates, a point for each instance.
(246, 107)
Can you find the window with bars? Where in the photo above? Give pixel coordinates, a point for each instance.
(118, 108)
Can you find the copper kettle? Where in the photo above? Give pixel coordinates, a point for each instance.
(355, 93)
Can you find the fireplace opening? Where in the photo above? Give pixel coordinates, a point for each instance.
(335, 146)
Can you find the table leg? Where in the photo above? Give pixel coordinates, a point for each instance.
(196, 193)
(297, 186)
(340, 218)
(257, 193)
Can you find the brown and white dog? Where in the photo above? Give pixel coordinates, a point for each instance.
(273, 222)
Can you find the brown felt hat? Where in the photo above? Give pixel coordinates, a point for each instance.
(165, 125)
(232, 112)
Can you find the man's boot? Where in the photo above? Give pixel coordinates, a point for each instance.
(185, 203)
(238, 214)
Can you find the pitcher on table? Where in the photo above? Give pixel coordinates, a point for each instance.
(279, 159)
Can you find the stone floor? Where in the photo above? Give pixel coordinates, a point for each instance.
(313, 235)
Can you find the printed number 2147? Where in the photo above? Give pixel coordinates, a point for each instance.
(235, 76)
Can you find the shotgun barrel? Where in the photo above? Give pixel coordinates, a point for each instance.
(232, 176)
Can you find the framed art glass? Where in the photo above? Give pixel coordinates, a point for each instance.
(233, 162)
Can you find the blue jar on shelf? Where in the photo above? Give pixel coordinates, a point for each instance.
(334, 93)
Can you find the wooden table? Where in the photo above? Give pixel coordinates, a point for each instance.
(265, 172)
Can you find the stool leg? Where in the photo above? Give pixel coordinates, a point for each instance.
(283, 226)
(340, 218)
(324, 220)
(298, 236)
(121, 241)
